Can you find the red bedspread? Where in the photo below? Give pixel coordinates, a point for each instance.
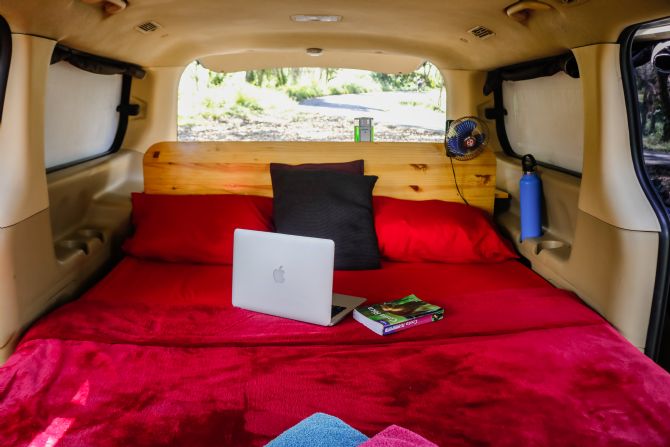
(155, 355)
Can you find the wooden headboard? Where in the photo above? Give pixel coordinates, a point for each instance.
(414, 171)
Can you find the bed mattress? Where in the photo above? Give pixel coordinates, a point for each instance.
(154, 354)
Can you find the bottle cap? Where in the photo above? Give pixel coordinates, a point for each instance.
(528, 163)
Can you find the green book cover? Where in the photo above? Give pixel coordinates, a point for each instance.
(396, 315)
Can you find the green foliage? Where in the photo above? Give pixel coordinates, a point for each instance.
(654, 106)
(248, 102)
(393, 82)
(301, 92)
(273, 77)
(426, 77)
(347, 89)
(216, 79)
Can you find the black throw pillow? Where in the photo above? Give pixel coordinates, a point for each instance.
(329, 205)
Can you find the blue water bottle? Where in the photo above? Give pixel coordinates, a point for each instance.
(530, 196)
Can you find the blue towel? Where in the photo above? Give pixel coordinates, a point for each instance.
(319, 430)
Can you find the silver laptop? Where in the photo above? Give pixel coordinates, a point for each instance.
(288, 276)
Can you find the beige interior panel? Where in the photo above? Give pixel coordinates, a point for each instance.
(156, 95)
(561, 194)
(464, 92)
(610, 189)
(22, 182)
(254, 60)
(32, 280)
(94, 194)
(435, 30)
(610, 268)
(601, 235)
(53, 256)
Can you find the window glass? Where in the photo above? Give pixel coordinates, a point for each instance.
(310, 104)
(545, 118)
(80, 114)
(653, 93)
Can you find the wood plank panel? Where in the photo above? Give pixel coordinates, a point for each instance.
(413, 171)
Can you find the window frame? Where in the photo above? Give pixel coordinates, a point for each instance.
(5, 58)
(499, 112)
(657, 345)
(125, 109)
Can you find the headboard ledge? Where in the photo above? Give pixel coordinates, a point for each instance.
(412, 171)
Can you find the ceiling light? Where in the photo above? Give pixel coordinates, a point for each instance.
(314, 51)
(315, 18)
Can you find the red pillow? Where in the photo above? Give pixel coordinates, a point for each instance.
(197, 228)
(437, 231)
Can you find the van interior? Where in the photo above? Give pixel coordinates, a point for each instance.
(116, 227)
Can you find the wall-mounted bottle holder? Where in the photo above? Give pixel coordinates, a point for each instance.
(82, 242)
(548, 245)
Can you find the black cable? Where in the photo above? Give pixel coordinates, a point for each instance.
(453, 171)
(451, 159)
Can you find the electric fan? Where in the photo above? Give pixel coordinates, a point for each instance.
(466, 138)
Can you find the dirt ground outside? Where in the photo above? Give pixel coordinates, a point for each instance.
(397, 116)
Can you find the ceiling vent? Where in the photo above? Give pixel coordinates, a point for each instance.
(147, 27)
(481, 32)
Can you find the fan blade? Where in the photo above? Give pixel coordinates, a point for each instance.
(465, 128)
(453, 144)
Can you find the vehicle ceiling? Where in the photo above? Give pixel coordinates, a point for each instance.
(435, 30)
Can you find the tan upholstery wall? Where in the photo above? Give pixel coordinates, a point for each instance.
(610, 189)
(156, 95)
(22, 183)
(601, 235)
(465, 94)
(610, 268)
(57, 232)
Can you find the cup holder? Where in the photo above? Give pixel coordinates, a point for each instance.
(72, 245)
(548, 245)
(83, 241)
(88, 233)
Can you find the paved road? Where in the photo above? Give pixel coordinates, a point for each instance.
(383, 107)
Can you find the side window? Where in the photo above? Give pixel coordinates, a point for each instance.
(545, 118)
(81, 117)
(653, 92)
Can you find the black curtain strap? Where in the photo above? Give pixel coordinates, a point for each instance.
(95, 64)
(129, 109)
(530, 70)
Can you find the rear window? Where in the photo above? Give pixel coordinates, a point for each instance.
(545, 118)
(310, 104)
(81, 118)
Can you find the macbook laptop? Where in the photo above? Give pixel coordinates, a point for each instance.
(288, 276)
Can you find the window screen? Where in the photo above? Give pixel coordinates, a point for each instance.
(80, 114)
(545, 118)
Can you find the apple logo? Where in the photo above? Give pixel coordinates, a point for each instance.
(278, 274)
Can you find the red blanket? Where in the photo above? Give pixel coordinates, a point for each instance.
(155, 355)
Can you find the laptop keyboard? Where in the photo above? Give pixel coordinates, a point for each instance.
(336, 310)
